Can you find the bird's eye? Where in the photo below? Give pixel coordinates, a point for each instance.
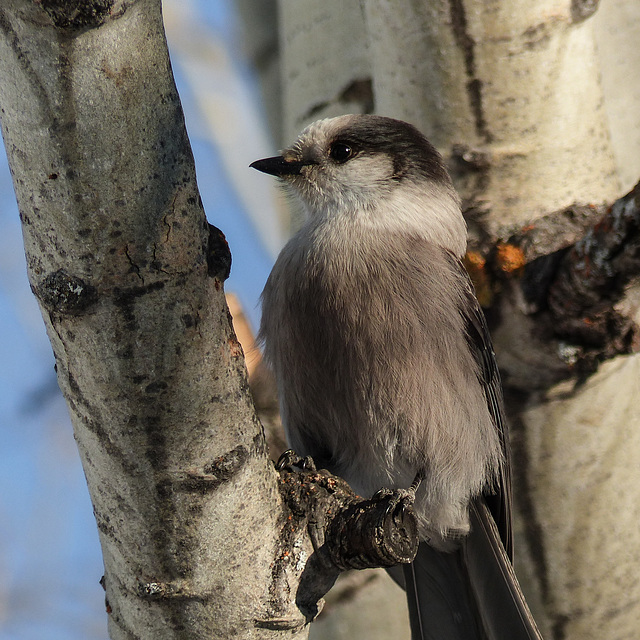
(340, 152)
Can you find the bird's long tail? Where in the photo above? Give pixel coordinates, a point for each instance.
(471, 594)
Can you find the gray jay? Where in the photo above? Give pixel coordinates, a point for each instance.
(384, 364)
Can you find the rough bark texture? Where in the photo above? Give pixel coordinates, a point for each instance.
(129, 278)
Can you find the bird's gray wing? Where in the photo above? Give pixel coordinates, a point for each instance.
(498, 497)
(441, 605)
(473, 593)
(500, 604)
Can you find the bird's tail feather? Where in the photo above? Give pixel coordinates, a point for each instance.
(471, 594)
(500, 601)
(440, 604)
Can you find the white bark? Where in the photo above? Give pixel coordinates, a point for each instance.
(517, 81)
(323, 51)
(617, 28)
(129, 280)
(583, 448)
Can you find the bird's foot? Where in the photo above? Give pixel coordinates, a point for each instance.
(290, 460)
(398, 500)
(407, 496)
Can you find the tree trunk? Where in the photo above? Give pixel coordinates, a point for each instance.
(617, 30)
(129, 278)
(514, 81)
(324, 62)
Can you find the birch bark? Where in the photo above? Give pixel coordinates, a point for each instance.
(129, 277)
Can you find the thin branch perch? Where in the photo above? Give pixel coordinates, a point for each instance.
(347, 532)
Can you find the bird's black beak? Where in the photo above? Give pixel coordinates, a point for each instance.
(278, 166)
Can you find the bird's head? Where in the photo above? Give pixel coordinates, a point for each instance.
(379, 170)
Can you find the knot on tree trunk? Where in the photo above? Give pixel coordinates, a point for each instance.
(570, 272)
(64, 293)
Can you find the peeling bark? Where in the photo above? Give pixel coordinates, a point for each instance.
(568, 273)
(594, 274)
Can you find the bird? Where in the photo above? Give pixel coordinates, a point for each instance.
(384, 364)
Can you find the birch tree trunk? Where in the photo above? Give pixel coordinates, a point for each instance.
(510, 91)
(617, 29)
(129, 277)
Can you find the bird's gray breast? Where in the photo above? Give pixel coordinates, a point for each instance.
(365, 336)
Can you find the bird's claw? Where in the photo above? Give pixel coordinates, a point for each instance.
(290, 459)
(398, 500)
(407, 496)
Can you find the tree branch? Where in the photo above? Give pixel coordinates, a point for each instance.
(569, 272)
(593, 275)
(590, 280)
(346, 531)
